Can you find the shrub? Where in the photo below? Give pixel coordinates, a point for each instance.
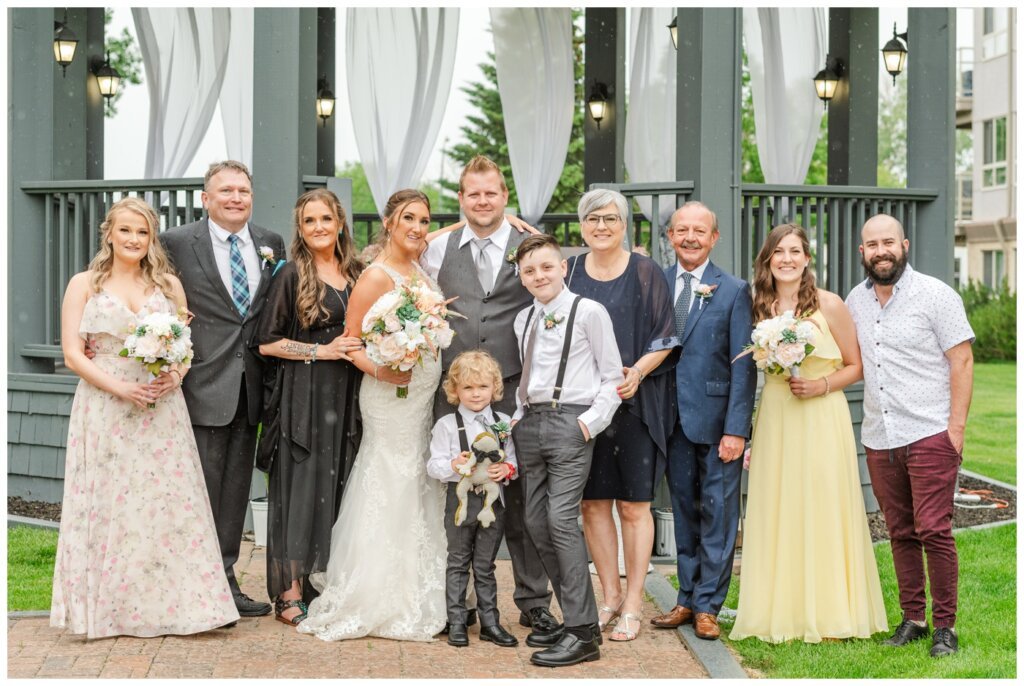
(993, 316)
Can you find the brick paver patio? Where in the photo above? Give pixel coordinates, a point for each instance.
(262, 647)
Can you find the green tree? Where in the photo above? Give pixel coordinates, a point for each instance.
(125, 58)
(362, 197)
(892, 137)
(484, 134)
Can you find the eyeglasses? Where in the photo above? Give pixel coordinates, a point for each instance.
(610, 220)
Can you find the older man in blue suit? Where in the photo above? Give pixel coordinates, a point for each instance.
(716, 399)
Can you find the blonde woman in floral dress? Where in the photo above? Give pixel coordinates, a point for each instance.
(137, 553)
(808, 566)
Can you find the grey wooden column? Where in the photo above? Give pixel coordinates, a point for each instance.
(605, 50)
(54, 131)
(931, 122)
(325, 60)
(853, 112)
(284, 112)
(708, 118)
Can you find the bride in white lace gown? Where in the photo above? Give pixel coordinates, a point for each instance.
(388, 547)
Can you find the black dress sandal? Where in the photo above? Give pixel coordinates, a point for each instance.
(280, 605)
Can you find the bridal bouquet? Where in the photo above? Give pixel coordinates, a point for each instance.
(158, 341)
(404, 325)
(781, 343)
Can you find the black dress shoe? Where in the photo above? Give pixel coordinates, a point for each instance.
(470, 621)
(570, 650)
(247, 607)
(906, 632)
(546, 631)
(497, 635)
(944, 642)
(457, 635)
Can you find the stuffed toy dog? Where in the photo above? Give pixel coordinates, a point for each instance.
(485, 451)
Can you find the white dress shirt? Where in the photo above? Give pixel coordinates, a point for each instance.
(593, 370)
(903, 346)
(433, 256)
(698, 274)
(445, 445)
(222, 254)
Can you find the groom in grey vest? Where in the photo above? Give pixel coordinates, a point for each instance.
(226, 281)
(473, 264)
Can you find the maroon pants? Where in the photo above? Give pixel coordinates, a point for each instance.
(914, 485)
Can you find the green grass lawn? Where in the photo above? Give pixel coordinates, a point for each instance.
(986, 624)
(990, 446)
(30, 555)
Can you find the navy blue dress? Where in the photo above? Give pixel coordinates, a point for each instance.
(630, 455)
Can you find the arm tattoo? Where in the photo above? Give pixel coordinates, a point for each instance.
(298, 348)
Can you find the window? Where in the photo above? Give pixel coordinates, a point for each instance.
(993, 269)
(994, 32)
(957, 275)
(993, 168)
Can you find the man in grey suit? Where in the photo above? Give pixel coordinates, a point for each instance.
(223, 264)
(473, 264)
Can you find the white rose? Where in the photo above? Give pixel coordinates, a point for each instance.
(392, 322)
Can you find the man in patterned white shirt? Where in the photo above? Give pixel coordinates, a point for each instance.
(915, 341)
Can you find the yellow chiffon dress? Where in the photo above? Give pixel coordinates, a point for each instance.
(808, 569)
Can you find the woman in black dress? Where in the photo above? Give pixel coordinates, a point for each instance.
(629, 456)
(302, 324)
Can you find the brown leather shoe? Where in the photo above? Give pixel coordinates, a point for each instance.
(677, 616)
(705, 625)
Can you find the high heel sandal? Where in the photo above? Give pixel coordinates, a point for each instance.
(623, 627)
(280, 605)
(613, 612)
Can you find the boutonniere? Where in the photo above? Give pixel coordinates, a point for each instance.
(501, 430)
(551, 320)
(704, 292)
(511, 259)
(267, 253)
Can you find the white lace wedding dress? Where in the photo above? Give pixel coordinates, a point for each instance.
(388, 547)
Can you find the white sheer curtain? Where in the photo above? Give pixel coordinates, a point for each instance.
(236, 92)
(184, 51)
(534, 60)
(399, 70)
(649, 148)
(785, 49)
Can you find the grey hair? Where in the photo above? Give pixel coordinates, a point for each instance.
(695, 203)
(600, 197)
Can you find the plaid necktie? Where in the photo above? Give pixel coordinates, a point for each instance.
(239, 280)
(683, 306)
(483, 265)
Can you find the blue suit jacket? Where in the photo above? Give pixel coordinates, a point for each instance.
(715, 394)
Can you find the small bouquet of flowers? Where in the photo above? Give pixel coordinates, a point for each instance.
(404, 325)
(781, 344)
(158, 341)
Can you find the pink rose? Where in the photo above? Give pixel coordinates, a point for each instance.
(789, 354)
(390, 349)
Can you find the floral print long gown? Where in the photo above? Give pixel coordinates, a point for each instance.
(137, 553)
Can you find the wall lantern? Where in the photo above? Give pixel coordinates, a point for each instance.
(324, 100)
(597, 103)
(894, 53)
(64, 43)
(827, 80)
(673, 28)
(108, 78)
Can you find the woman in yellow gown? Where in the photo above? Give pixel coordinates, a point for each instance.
(808, 568)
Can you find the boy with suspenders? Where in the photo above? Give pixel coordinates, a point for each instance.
(567, 395)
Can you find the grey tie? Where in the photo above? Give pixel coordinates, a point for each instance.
(483, 265)
(683, 306)
(482, 421)
(524, 380)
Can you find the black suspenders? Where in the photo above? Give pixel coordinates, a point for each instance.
(566, 346)
(463, 439)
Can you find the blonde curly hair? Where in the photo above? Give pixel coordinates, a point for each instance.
(472, 365)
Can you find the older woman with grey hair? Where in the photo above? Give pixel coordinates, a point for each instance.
(630, 455)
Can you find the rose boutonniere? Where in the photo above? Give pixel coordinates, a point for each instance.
(551, 320)
(704, 292)
(267, 255)
(502, 430)
(511, 259)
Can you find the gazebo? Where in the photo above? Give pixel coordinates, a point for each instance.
(57, 195)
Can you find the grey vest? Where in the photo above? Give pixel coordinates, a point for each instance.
(489, 319)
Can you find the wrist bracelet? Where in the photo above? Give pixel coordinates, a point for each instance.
(828, 386)
(181, 379)
(316, 346)
(638, 371)
(376, 368)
